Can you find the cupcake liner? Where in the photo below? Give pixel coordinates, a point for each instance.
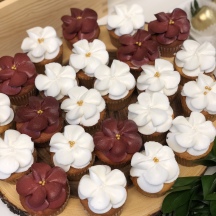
(114, 38)
(157, 137)
(3, 128)
(85, 80)
(168, 51)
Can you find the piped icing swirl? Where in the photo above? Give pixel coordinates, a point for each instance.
(159, 78)
(154, 167)
(83, 106)
(170, 27)
(201, 94)
(41, 43)
(15, 153)
(126, 20)
(116, 81)
(72, 148)
(195, 58)
(44, 188)
(15, 73)
(152, 113)
(192, 134)
(88, 56)
(57, 80)
(104, 188)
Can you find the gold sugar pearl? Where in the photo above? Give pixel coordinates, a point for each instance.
(79, 17)
(171, 22)
(118, 136)
(88, 54)
(43, 182)
(156, 160)
(208, 88)
(71, 143)
(13, 67)
(80, 103)
(138, 43)
(157, 74)
(40, 111)
(40, 40)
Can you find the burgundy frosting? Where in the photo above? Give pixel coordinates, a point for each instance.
(35, 122)
(115, 149)
(82, 24)
(139, 48)
(16, 73)
(170, 26)
(39, 197)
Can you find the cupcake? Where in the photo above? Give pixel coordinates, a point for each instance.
(44, 191)
(81, 24)
(200, 96)
(154, 170)
(103, 191)
(153, 115)
(170, 30)
(137, 50)
(124, 20)
(195, 58)
(57, 81)
(16, 155)
(43, 46)
(86, 57)
(40, 119)
(84, 107)
(17, 75)
(191, 138)
(115, 84)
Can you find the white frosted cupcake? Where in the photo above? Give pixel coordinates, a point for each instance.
(191, 138)
(154, 171)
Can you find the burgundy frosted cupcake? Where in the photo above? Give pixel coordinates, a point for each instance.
(17, 76)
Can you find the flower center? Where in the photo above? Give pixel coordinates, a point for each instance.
(71, 143)
(79, 17)
(138, 43)
(208, 89)
(13, 67)
(80, 103)
(40, 111)
(88, 54)
(156, 160)
(40, 40)
(118, 136)
(43, 182)
(157, 74)
(171, 22)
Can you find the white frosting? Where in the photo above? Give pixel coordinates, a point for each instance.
(15, 153)
(115, 81)
(193, 134)
(57, 80)
(201, 94)
(159, 78)
(152, 113)
(6, 113)
(154, 167)
(195, 58)
(126, 20)
(104, 188)
(72, 148)
(88, 56)
(41, 43)
(83, 106)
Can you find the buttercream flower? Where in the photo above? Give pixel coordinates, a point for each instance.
(154, 167)
(41, 43)
(159, 78)
(88, 55)
(83, 106)
(100, 188)
(57, 80)
(44, 188)
(15, 73)
(170, 26)
(72, 148)
(15, 153)
(193, 134)
(138, 49)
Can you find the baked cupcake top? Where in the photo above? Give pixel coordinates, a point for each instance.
(154, 167)
(15, 153)
(117, 139)
(104, 188)
(41, 43)
(191, 134)
(15, 73)
(39, 115)
(81, 24)
(116, 81)
(126, 20)
(44, 188)
(152, 113)
(159, 78)
(169, 27)
(195, 58)
(83, 106)
(7, 113)
(138, 49)
(88, 56)
(57, 80)
(72, 148)
(201, 94)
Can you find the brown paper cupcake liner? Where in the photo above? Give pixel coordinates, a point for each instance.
(167, 51)
(157, 137)
(114, 38)
(85, 80)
